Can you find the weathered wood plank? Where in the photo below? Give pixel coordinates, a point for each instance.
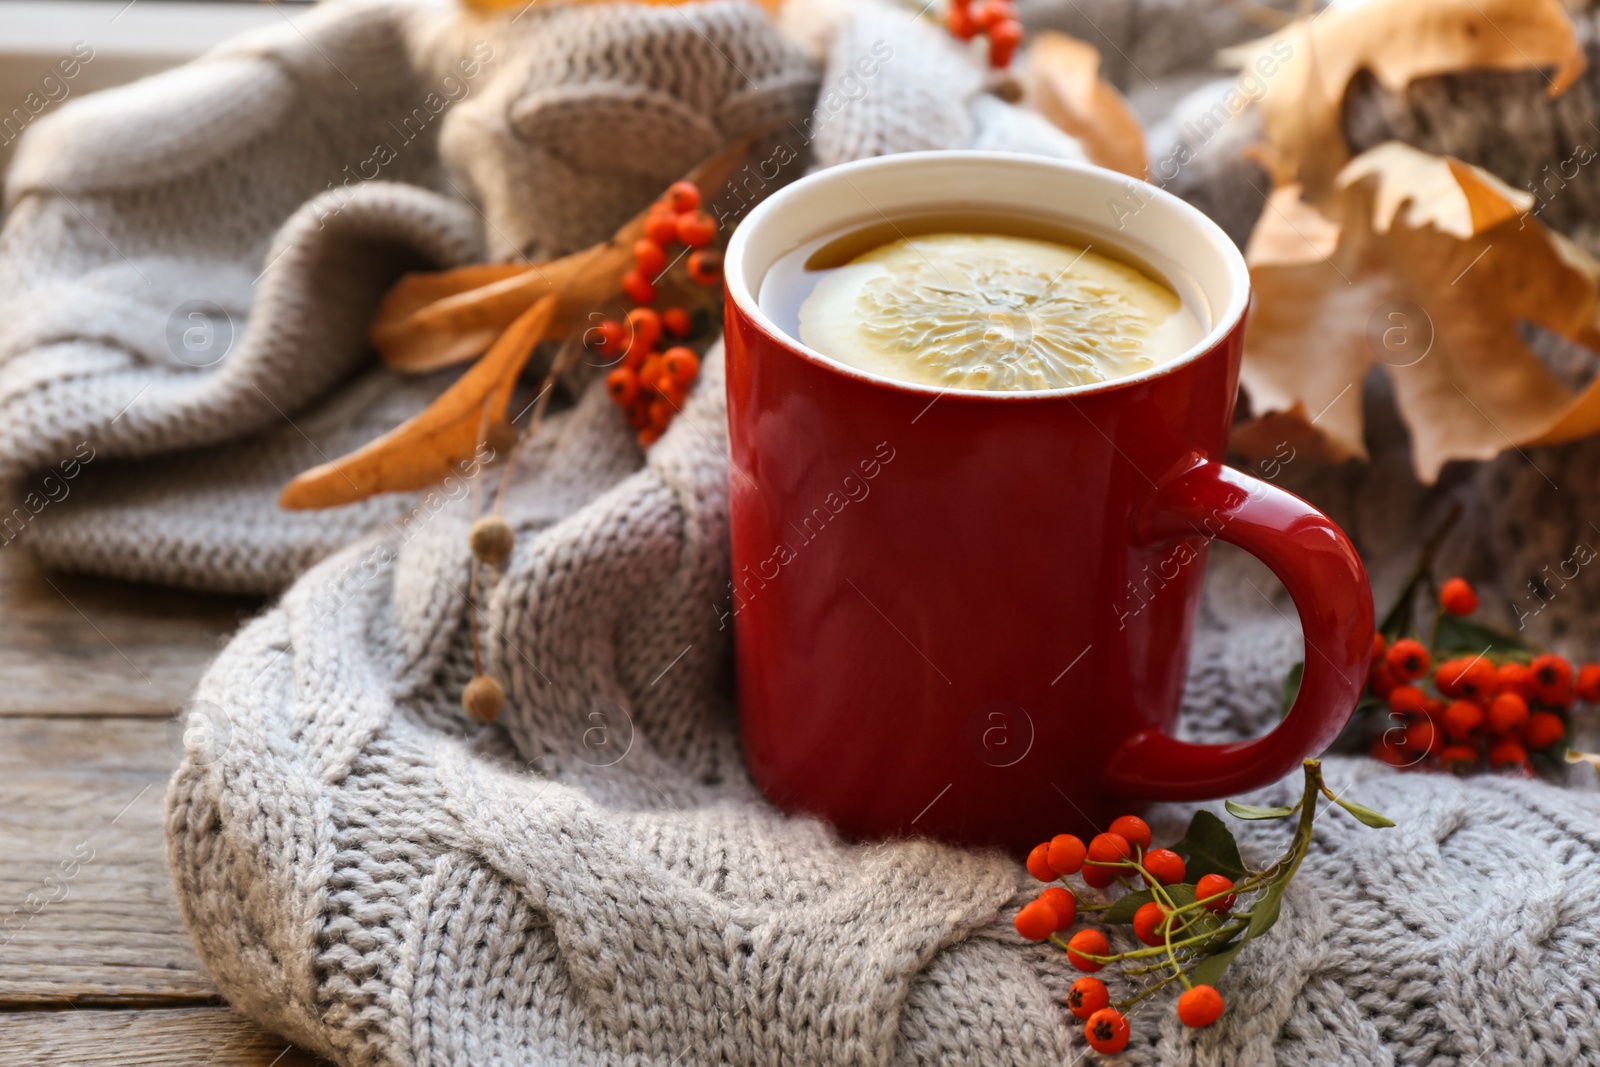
(187, 1037)
(75, 645)
(87, 913)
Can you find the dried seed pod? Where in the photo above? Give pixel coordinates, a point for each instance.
(501, 437)
(492, 540)
(482, 699)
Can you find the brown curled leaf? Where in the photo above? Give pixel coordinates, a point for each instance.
(1298, 76)
(1425, 268)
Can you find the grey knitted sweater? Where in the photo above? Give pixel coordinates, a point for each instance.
(186, 273)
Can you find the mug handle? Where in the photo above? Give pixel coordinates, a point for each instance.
(1318, 566)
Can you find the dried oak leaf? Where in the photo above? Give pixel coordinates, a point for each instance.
(1305, 69)
(1062, 82)
(1425, 266)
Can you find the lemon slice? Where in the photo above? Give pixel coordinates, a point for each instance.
(990, 311)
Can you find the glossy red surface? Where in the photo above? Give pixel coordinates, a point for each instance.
(970, 618)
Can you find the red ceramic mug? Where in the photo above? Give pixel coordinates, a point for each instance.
(967, 614)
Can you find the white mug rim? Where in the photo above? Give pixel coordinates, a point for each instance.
(1226, 314)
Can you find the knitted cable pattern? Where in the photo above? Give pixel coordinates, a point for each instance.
(594, 879)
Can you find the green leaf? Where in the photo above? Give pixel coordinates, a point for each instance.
(1209, 848)
(1291, 687)
(1463, 635)
(1364, 814)
(1208, 970)
(1397, 621)
(1263, 915)
(1264, 912)
(1250, 811)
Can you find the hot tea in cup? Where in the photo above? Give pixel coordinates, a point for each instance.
(963, 300)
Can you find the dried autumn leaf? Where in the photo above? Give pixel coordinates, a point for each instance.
(1062, 82)
(416, 334)
(1307, 67)
(423, 449)
(538, 301)
(1426, 267)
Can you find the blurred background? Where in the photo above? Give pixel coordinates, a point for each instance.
(128, 39)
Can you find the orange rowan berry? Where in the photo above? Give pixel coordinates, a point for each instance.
(1458, 597)
(671, 391)
(609, 337)
(1164, 865)
(1408, 700)
(1422, 737)
(1107, 1031)
(648, 436)
(1109, 848)
(1508, 712)
(637, 414)
(1507, 754)
(1087, 996)
(1544, 728)
(1099, 877)
(1480, 682)
(986, 14)
(677, 321)
(1514, 679)
(1459, 759)
(1407, 660)
(1066, 853)
(1210, 885)
(1063, 903)
(1039, 863)
(661, 225)
(649, 257)
(1200, 1006)
(680, 364)
(1132, 829)
(962, 28)
(622, 386)
(1470, 679)
(696, 229)
(1462, 720)
(1086, 943)
(660, 415)
(1589, 683)
(681, 196)
(1551, 678)
(705, 266)
(650, 371)
(640, 290)
(1448, 677)
(1146, 921)
(645, 324)
(1036, 921)
(1004, 38)
(1382, 680)
(1386, 749)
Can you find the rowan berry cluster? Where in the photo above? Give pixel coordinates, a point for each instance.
(1462, 712)
(1190, 929)
(994, 19)
(650, 383)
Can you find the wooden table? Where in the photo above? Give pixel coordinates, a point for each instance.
(95, 965)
